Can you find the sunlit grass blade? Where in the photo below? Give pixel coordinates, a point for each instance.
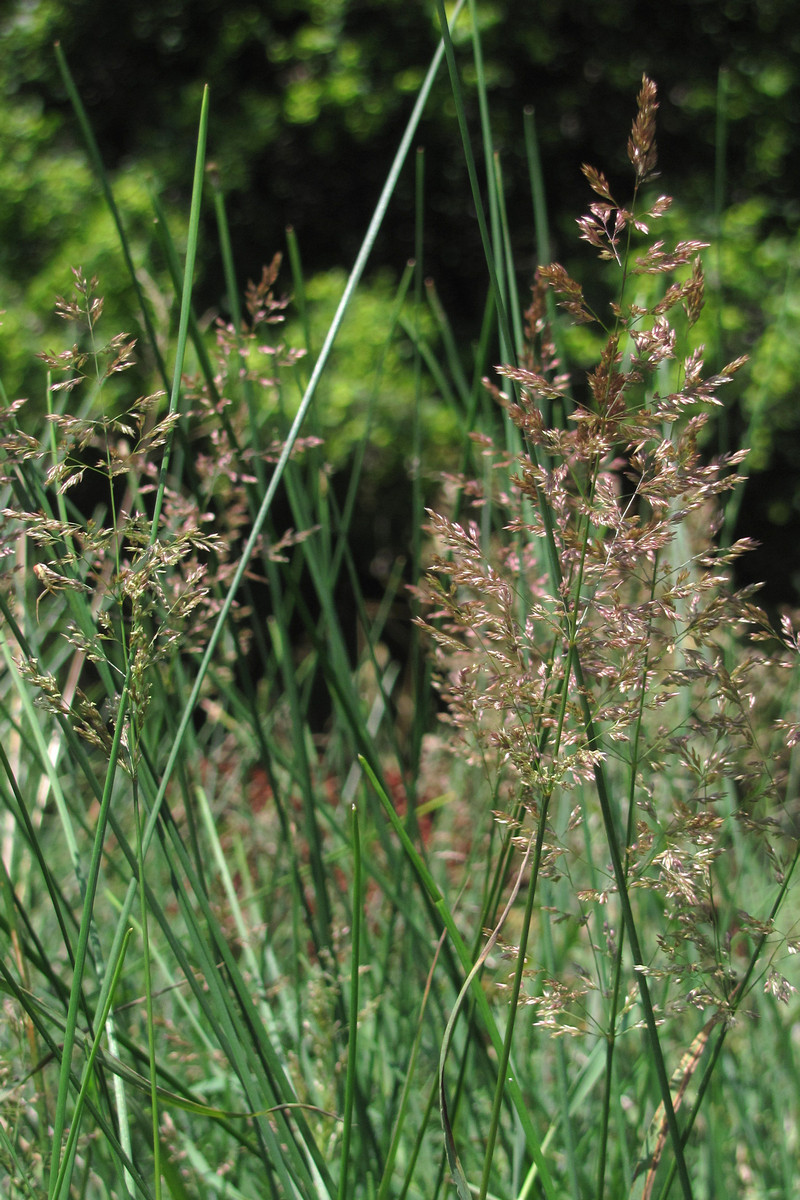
(172, 263)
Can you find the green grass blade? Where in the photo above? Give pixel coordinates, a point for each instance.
(487, 143)
(352, 1039)
(226, 249)
(497, 290)
(75, 1124)
(538, 195)
(280, 467)
(298, 279)
(720, 188)
(90, 892)
(102, 176)
(173, 267)
(430, 886)
(186, 303)
(406, 1097)
(505, 250)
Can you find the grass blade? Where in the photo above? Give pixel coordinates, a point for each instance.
(102, 176)
(352, 1040)
(186, 303)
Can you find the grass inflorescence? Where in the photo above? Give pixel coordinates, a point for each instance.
(251, 951)
(599, 665)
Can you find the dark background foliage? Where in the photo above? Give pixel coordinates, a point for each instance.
(308, 102)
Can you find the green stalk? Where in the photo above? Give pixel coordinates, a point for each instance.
(148, 989)
(497, 291)
(72, 1138)
(513, 1005)
(472, 981)
(740, 995)
(420, 674)
(225, 249)
(299, 281)
(720, 182)
(615, 989)
(562, 1076)
(528, 913)
(632, 932)
(451, 350)
(541, 226)
(172, 263)
(506, 252)
(186, 304)
(383, 1190)
(536, 177)
(488, 156)
(352, 1041)
(59, 1119)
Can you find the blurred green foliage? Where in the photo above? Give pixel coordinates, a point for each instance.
(308, 101)
(53, 218)
(369, 388)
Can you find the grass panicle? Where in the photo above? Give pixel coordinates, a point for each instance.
(597, 662)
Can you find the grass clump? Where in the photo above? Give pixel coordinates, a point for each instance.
(604, 673)
(243, 957)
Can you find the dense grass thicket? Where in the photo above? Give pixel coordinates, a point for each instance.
(482, 884)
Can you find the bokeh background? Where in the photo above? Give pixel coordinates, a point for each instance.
(309, 99)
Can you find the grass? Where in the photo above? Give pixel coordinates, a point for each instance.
(538, 948)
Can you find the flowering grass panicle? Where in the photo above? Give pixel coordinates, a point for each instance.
(597, 660)
(82, 521)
